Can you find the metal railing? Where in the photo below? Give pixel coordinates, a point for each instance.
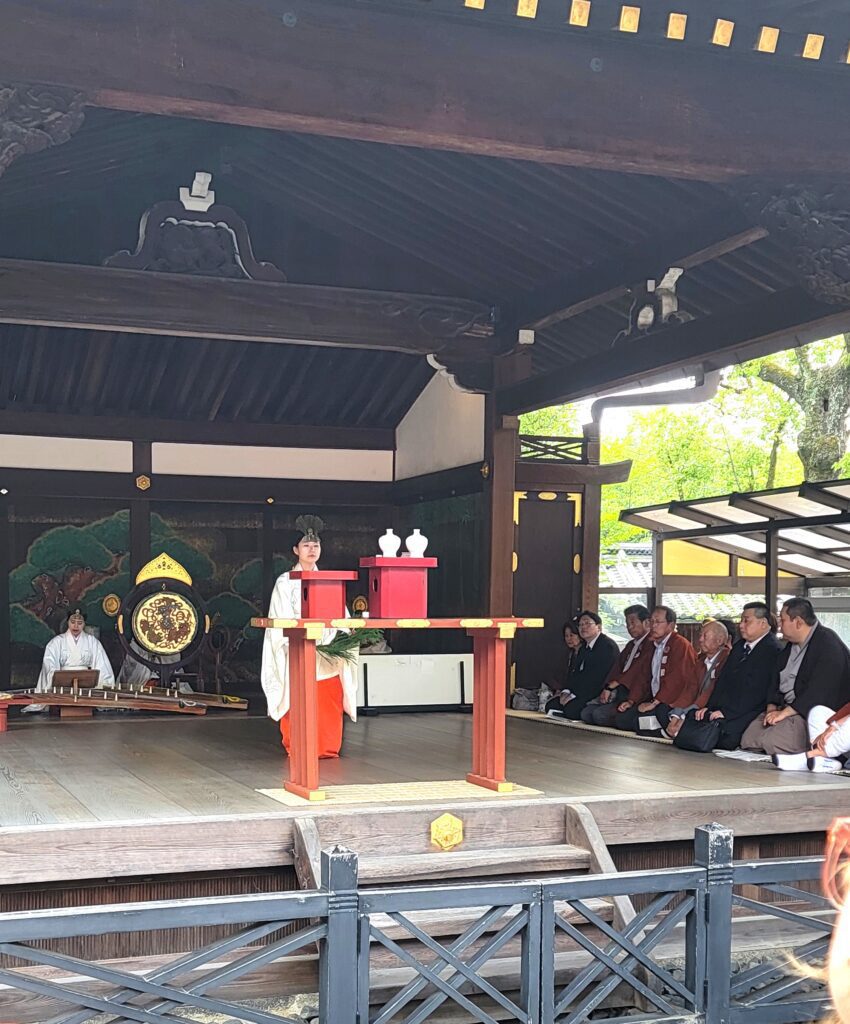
(532, 951)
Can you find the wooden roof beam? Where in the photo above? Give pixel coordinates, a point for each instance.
(141, 302)
(569, 295)
(771, 322)
(229, 432)
(465, 83)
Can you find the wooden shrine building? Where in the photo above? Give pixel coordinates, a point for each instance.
(422, 219)
(267, 257)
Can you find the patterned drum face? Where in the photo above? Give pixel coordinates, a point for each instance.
(165, 623)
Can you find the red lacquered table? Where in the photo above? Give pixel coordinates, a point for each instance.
(490, 637)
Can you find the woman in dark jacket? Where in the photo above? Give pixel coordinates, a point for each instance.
(593, 660)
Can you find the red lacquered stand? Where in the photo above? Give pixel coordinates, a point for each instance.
(490, 637)
(322, 593)
(398, 587)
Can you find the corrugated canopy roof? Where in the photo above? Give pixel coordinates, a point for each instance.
(811, 522)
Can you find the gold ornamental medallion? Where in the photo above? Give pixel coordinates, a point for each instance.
(165, 623)
(446, 832)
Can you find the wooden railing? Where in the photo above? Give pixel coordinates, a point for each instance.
(537, 448)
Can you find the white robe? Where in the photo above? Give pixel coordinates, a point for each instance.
(274, 674)
(134, 673)
(67, 652)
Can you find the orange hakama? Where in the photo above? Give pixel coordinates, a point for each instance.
(330, 708)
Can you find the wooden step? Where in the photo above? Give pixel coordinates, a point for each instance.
(520, 861)
(439, 923)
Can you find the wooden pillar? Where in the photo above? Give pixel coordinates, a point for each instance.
(303, 713)
(5, 619)
(771, 569)
(590, 548)
(140, 510)
(267, 557)
(488, 707)
(500, 449)
(656, 592)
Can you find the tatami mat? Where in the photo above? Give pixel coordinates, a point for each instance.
(396, 792)
(538, 717)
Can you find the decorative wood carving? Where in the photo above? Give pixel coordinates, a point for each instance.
(215, 243)
(443, 320)
(35, 117)
(474, 375)
(813, 221)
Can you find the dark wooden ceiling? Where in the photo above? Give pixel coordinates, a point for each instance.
(52, 370)
(338, 212)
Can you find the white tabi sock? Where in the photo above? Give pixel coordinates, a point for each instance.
(649, 722)
(791, 762)
(824, 764)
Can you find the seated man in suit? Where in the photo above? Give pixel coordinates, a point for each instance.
(814, 669)
(632, 667)
(596, 655)
(672, 680)
(713, 652)
(741, 690)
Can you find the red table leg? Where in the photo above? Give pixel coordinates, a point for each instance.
(304, 714)
(488, 707)
(4, 717)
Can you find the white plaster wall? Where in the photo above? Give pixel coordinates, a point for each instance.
(270, 463)
(69, 453)
(443, 428)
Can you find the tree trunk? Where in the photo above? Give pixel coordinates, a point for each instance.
(823, 395)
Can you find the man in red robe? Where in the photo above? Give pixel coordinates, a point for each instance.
(672, 680)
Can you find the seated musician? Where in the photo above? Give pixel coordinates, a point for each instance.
(812, 671)
(596, 656)
(632, 668)
(336, 679)
(741, 690)
(134, 675)
(73, 649)
(672, 680)
(713, 651)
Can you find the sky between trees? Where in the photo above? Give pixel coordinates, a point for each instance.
(774, 422)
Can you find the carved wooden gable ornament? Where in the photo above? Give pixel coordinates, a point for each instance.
(195, 236)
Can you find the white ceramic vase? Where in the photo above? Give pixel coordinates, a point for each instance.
(389, 544)
(416, 544)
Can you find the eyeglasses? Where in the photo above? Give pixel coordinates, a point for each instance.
(835, 871)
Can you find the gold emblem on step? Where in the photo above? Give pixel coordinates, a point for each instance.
(110, 604)
(447, 832)
(164, 566)
(143, 482)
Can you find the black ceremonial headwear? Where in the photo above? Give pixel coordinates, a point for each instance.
(310, 527)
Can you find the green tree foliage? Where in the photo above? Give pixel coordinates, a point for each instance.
(20, 582)
(55, 550)
(556, 421)
(27, 628)
(736, 442)
(743, 439)
(113, 531)
(248, 578)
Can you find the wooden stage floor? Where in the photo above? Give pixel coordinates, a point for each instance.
(181, 768)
